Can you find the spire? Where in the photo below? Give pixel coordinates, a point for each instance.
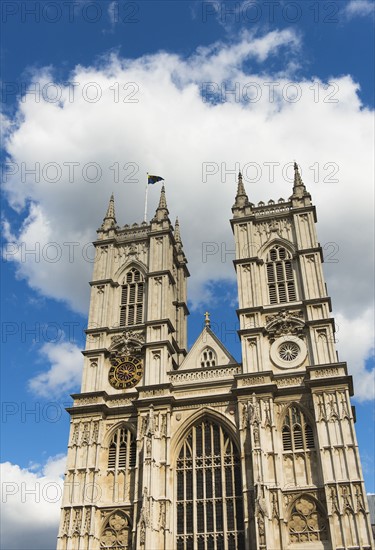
(163, 200)
(109, 220)
(241, 197)
(299, 189)
(162, 210)
(111, 209)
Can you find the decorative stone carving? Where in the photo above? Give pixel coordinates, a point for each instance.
(150, 422)
(275, 506)
(77, 520)
(116, 532)
(86, 434)
(334, 501)
(260, 501)
(360, 507)
(261, 530)
(253, 410)
(283, 323)
(87, 527)
(75, 435)
(183, 377)
(333, 409)
(290, 381)
(66, 522)
(95, 432)
(144, 518)
(347, 503)
(163, 425)
(267, 413)
(326, 373)
(306, 523)
(127, 343)
(162, 514)
(344, 407)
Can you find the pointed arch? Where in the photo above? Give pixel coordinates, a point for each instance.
(208, 357)
(122, 424)
(307, 520)
(132, 300)
(277, 241)
(137, 264)
(119, 457)
(280, 270)
(297, 429)
(208, 486)
(204, 412)
(116, 531)
(122, 448)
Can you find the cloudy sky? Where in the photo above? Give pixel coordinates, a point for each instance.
(97, 94)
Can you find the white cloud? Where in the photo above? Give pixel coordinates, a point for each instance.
(359, 8)
(355, 343)
(65, 371)
(31, 505)
(172, 131)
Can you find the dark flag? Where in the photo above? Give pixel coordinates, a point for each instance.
(153, 179)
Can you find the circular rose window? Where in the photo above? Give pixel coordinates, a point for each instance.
(288, 352)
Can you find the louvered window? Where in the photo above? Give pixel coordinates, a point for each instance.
(132, 299)
(280, 276)
(122, 450)
(209, 491)
(297, 434)
(208, 358)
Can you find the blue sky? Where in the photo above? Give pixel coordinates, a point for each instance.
(164, 72)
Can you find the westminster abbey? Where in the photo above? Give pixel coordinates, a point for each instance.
(177, 449)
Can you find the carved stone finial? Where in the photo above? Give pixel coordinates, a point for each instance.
(299, 189)
(241, 197)
(207, 321)
(162, 209)
(109, 220)
(177, 235)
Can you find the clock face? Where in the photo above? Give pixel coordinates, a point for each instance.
(125, 372)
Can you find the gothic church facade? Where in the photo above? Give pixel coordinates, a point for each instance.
(171, 449)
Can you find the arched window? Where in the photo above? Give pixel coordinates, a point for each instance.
(116, 532)
(122, 450)
(300, 465)
(209, 491)
(306, 523)
(297, 433)
(132, 298)
(280, 277)
(208, 358)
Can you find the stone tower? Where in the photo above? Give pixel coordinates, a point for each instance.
(170, 449)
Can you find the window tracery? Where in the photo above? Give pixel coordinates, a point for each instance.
(280, 276)
(209, 491)
(122, 450)
(132, 298)
(116, 532)
(306, 523)
(297, 433)
(208, 358)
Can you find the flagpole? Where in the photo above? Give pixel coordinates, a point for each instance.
(146, 196)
